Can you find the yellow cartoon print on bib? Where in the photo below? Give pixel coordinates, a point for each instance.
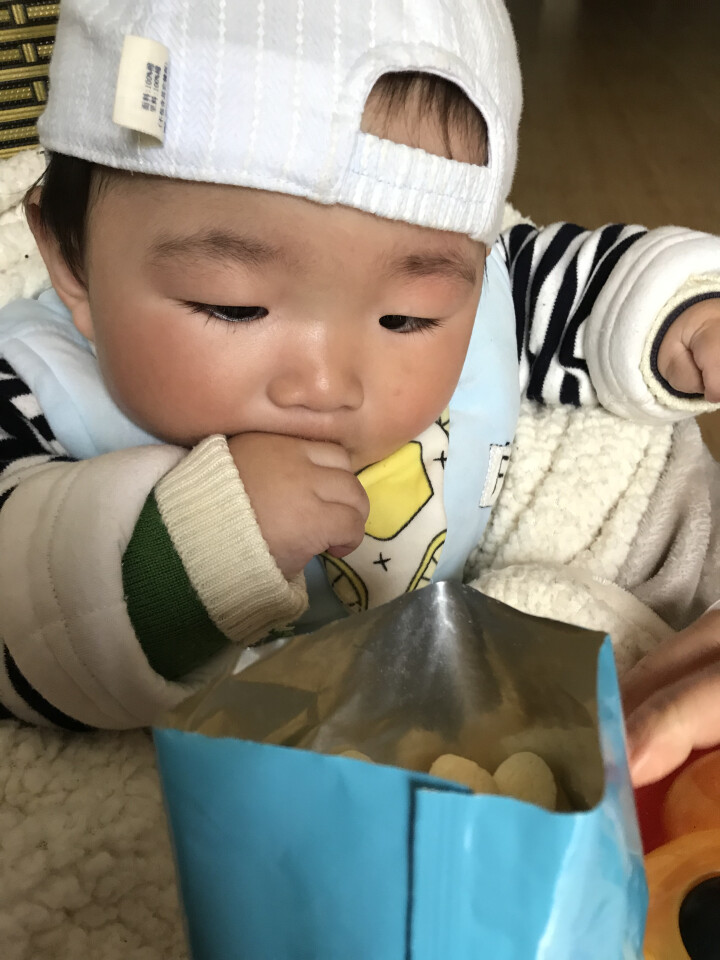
(406, 526)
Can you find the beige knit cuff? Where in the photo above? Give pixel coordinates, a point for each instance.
(213, 527)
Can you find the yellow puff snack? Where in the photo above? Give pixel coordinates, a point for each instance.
(461, 770)
(417, 749)
(356, 755)
(526, 776)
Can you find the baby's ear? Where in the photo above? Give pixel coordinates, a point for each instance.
(67, 284)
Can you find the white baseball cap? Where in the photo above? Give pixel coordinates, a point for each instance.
(270, 93)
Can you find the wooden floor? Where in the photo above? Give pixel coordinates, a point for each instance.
(622, 115)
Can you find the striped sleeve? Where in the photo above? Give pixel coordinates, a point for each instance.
(557, 274)
(24, 431)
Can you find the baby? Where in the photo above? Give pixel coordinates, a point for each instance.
(284, 330)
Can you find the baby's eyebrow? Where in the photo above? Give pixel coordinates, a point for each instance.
(218, 245)
(250, 251)
(431, 263)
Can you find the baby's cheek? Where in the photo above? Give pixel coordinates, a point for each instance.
(416, 419)
(145, 389)
(432, 398)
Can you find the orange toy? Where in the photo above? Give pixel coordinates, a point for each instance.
(684, 875)
(684, 884)
(693, 801)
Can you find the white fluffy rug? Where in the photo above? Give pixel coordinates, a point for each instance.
(85, 863)
(85, 866)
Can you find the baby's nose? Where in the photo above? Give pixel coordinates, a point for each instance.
(320, 379)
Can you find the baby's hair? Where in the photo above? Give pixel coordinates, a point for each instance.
(69, 184)
(63, 204)
(419, 95)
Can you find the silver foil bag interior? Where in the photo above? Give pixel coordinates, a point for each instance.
(442, 670)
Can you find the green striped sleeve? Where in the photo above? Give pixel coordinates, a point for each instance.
(171, 624)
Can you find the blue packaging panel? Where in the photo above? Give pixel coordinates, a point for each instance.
(284, 854)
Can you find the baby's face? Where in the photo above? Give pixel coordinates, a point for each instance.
(219, 309)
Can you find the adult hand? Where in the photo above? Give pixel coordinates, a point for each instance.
(672, 701)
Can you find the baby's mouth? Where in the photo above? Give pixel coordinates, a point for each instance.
(314, 435)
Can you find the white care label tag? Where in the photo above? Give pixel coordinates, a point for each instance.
(497, 468)
(141, 94)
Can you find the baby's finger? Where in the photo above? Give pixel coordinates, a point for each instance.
(681, 371)
(335, 486)
(705, 347)
(672, 723)
(690, 650)
(345, 530)
(327, 454)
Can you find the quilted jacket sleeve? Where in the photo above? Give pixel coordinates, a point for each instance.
(121, 576)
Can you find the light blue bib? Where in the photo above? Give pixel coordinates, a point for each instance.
(40, 341)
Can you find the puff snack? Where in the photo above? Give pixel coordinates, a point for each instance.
(356, 755)
(524, 776)
(527, 777)
(460, 770)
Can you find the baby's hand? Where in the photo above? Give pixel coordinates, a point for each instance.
(689, 355)
(304, 494)
(672, 701)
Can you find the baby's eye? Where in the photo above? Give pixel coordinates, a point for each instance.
(402, 324)
(229, 314)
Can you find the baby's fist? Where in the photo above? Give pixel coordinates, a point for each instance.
(305, 496)
(689, 355)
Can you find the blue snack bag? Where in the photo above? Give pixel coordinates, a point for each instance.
(287, 850)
